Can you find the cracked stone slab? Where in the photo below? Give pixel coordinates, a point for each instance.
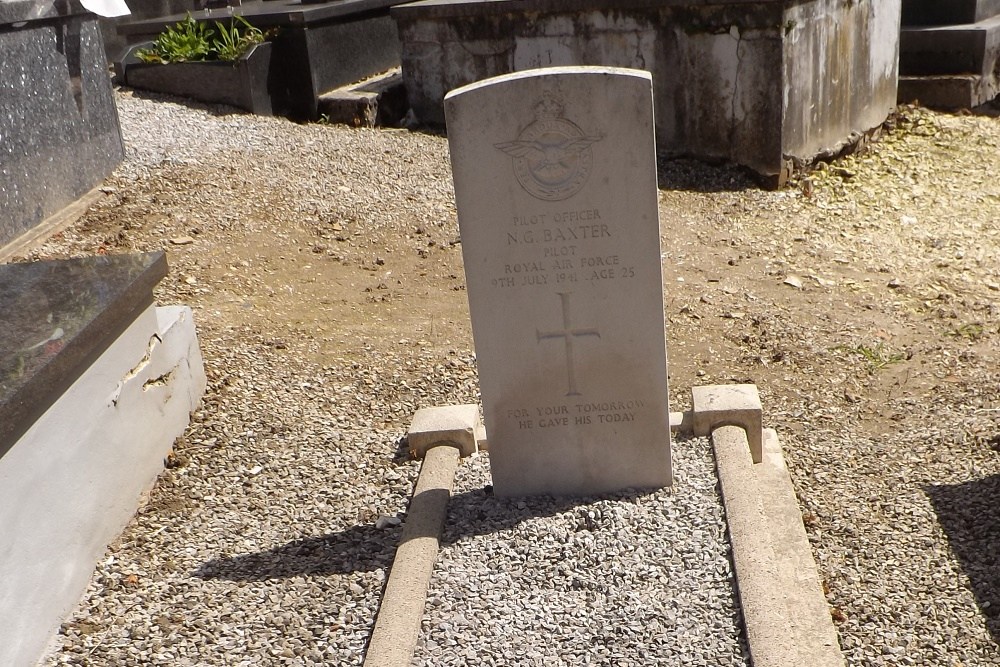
(60, 316)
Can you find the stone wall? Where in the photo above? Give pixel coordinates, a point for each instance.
(840, 70)
(757, 83)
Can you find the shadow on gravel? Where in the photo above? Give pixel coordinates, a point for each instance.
(358, 549)
(690, 175)
(969, 513)
(367, 548)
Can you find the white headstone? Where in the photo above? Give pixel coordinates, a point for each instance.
(555, 183)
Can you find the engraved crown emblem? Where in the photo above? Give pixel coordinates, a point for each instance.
(548, 107)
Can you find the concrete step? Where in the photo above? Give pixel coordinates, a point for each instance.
(948, 12)
(376, 101)
(954, 91)
(971, 48)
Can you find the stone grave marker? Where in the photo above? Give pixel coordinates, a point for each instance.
(555, 184)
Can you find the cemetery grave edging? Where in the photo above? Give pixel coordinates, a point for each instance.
(316, 47)
(244, 83)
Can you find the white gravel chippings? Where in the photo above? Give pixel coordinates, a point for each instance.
(635, 578)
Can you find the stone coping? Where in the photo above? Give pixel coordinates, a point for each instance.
(458, 8)
(938, 12)
(58, 317)
(267, 13)
(23, 11)
(785, 613)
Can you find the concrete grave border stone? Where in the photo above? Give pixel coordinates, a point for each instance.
(86, 426)
(785, 614)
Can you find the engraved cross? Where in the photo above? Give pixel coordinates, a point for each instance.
(567, 333)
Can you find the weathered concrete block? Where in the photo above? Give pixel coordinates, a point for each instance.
(730, 405)
(459, 425)
(840, 67)
(72, 482)
(760, 84)
(378, 101)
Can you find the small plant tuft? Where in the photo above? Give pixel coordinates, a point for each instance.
(235, 39)
(186, 41)
(193, 41)
(972, 331)
(876, 357)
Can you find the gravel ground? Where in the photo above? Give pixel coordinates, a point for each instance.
(324, 270)
(627, 580)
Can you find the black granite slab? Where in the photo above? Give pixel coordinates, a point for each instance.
(951, 12)
(56, 318)
(317, 47)
(242, 83)
(59, 133)
(269, 14)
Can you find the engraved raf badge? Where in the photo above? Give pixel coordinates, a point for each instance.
(552, 156)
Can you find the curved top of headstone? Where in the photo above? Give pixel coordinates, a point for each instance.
(578, 70)
(58, 317)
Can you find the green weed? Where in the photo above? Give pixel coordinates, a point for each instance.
(235, 39)
(972, 331)
(875, 357)
(193, 41)
(187, 41)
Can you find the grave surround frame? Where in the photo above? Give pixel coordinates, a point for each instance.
(319, 47)
(96, 382)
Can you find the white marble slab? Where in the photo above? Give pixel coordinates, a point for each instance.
(555, 183)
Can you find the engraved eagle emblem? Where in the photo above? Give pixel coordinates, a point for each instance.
(549, 154)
